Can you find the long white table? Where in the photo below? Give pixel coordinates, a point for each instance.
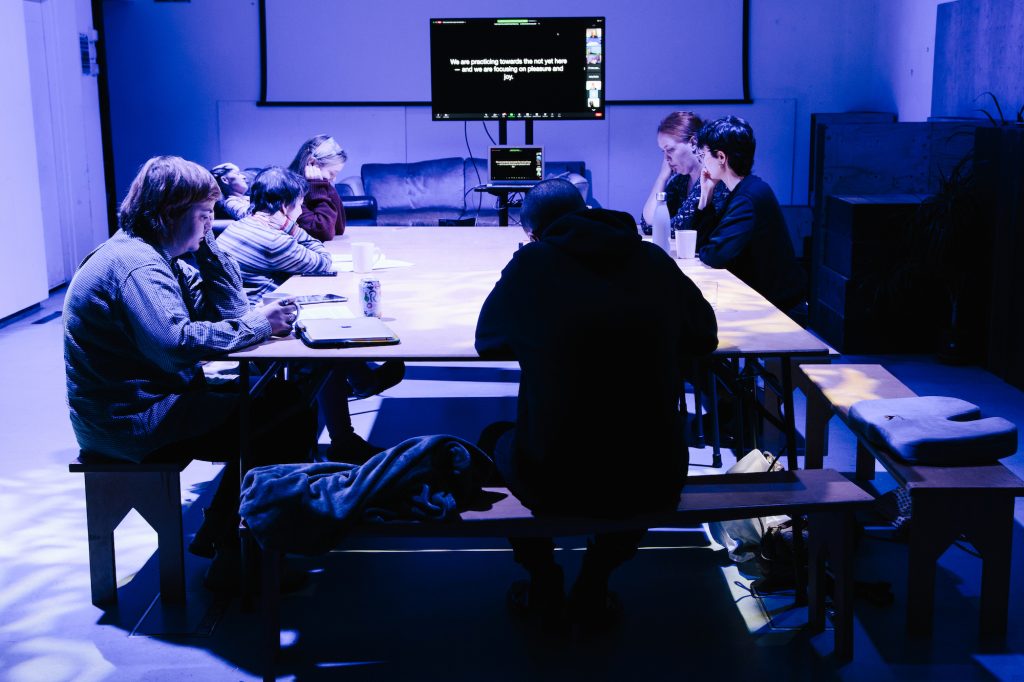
(433, 305)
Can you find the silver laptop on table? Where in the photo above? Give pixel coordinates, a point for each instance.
(345, 333)
(516, 166)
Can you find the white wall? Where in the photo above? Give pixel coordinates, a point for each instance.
(22, 258)
(67, 130)
(184, 80)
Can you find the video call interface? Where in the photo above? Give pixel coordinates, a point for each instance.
(493, 69)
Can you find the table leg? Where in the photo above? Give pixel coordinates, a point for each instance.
(696, 372)
(503, 209)
(716, 446)
(248, 546)
(790, 418)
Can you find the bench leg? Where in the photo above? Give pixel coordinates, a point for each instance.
(109, 496)
(831, 539)
(933, 528)
(865, 463)
(991, 533)
(816, 431)
(816, 555)
(162, 510)
(271, 600)
(105, 508)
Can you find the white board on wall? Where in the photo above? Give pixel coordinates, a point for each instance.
(23, 256)
(323, 51)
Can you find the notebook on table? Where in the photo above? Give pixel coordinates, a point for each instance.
(510, 165)
(345, 333)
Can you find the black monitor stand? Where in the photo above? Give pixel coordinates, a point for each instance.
(503, 192)
(503, 131)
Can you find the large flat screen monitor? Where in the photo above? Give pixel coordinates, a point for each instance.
(545, 68)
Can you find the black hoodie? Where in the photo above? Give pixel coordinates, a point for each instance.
(601, 324)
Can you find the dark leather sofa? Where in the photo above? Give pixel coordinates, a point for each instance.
(425, 192)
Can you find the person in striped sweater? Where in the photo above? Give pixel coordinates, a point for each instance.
(268, 244)
(269, 247)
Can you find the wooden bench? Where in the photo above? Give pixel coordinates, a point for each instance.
(975, 501)
(112, 489)
(827, 497)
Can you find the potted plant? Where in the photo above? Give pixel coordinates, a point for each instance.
(954, 242)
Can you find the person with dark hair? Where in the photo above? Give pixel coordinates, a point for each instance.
(748, 234)
(268, 244)
(233, 202)
(597, 433)
(319, 160)
(269, 248)
(679, 177)
(139, 319)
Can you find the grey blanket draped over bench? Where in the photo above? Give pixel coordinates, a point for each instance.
(307, 508)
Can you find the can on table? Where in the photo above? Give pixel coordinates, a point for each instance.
(369, 294)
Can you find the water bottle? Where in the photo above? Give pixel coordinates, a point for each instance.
(660, 224)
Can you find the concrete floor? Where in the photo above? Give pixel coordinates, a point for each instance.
(426, 610)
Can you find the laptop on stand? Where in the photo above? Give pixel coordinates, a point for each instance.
(521, 166)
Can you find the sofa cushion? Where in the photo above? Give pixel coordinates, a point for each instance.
(435, 184)
(421, 217)
(473, 167)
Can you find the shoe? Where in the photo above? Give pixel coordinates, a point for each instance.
(211, 535)
(376, 380)
(352, 449)
(491, 434)
(543, 602)
(593, 609)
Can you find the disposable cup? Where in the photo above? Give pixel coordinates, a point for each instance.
(686, 243)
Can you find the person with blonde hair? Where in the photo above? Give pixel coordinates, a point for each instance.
(319, 160)
(679, 176)
(234, 200)
(141, 313)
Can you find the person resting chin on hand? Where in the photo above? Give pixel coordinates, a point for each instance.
(747, 235)
(141, 314)
(320, 160)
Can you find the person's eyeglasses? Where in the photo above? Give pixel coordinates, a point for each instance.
(698, 152)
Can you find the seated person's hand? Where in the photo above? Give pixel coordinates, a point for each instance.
(313, 172)
(707, 188)
(281, 315)
(666, 171)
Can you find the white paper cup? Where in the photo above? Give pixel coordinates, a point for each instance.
(364, 256)
(272, 296)
(686, 243)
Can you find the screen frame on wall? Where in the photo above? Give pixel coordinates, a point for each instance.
(264, 101)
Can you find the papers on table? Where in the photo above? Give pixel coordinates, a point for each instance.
(326, 311)
(343, 263)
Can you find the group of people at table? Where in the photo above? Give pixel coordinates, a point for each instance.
(150, 304)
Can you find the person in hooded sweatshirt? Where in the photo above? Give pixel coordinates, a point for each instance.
(602, 325)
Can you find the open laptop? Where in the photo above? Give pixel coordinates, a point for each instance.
(516, 166)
